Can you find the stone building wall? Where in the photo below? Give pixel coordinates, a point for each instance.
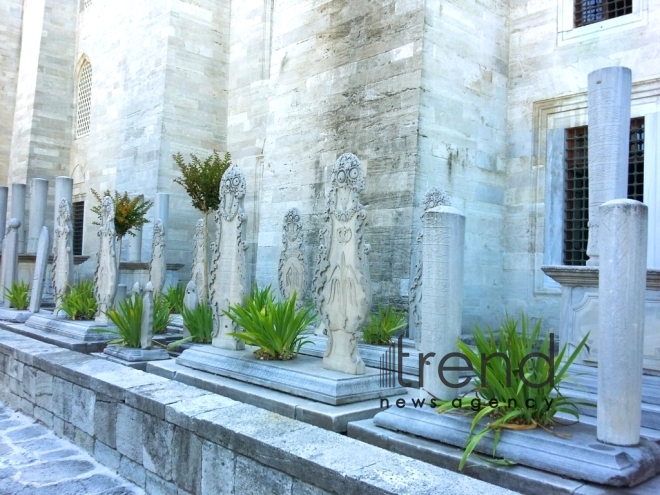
(548, 68)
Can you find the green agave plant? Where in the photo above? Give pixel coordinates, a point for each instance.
(276, 327)
(199, 322)
(162, 316)
(174, 297)
(381, 327)
(128, 320)
(80, 303)
(511, 411)
(17, 295)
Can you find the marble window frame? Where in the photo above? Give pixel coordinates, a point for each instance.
(551, 118)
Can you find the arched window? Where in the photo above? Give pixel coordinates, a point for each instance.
(84, 99)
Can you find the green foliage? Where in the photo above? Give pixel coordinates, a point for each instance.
(174, 298)
(130, 214)
(381, 327)
(507, 414)
(199, 323)
(201, 179)
(275, 327)
(162, 316)
(80, 303)
(17, 295)
(128, 320)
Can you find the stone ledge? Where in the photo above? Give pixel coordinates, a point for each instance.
(315, 456)
(14, 315)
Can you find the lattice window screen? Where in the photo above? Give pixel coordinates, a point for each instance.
(591, 11)
(84, 100)
(78, 226)
(88, 3)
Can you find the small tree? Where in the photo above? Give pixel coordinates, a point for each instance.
(130, 214)
(201, 180)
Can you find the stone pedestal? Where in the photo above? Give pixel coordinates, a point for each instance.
(609, 93)
(18, 193)
(442, 298)
(38, 200)
(622, 242)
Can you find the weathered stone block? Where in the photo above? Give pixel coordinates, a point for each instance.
(106, 455)
(302, 488)
(27, 407)
(62, 395)
(58, 426)
(158, 486)
(218, 466)
(44, 390)
(157, 436)
(83, 440)
(129, 432)
(132, 471)
(29, 383)
(187, 460)
(83, 401)
(105, 420)
(153, 398)
(252, 477)
(46, 417)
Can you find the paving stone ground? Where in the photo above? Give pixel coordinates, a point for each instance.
(34, 461)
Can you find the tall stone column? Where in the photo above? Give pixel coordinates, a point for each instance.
(443, 246)
(609, 142)
(10, 257)
(18, 211)
(4, 195)
(621, 291)
(37, 220)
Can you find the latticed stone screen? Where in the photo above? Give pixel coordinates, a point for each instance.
(78, 226)
(84, 100)
(88, 3)
(590, 11)
(576, 186)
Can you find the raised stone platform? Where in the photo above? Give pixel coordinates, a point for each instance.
(326, 416)
(85, 330)
(128, 354)
(14, 315)
(302, 376)
(580, 457)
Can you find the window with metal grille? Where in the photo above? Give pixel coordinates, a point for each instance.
(590, 11)
(84, 100)
(576, 186)
(78, 226)
(88, 3)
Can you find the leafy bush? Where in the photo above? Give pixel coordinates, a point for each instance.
(130, 214)
(128, 320)
(162, 316)
(174, 298)
(381, 327)
(80, 303)
(201, 179)
(275, 327)
(199, 323)
(508, 414)
(17, 295)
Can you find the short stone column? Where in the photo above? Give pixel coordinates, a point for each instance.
(4, 196)
(37, 220)
(18, 211)
(609, 93)
(10, 257)
(40, 265)
(443, 246)
(621, 291)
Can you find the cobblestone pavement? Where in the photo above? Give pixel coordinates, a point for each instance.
(34, 461)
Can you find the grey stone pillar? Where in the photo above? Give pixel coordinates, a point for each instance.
(162, 210)
(609, 142)
(10, 257)
(135, 245)
(37, 220)
(442, 297)
(40, 265)
(621, 291)
(18, 211)
(4, 195)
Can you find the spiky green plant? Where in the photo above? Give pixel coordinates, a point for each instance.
(17, 295)
(174, 296)
(508, 387)
(128, 320)
(79, 303)
(199, 322)
(276, 327)
(381, 327)
(162, 316)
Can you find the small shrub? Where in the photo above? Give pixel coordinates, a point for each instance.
(275, 327)
(381, 327)
(162, 316)
(199, 323)
(128, 320)
(174, 298)
(80, 303)
(515, 346)
(17, 295)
